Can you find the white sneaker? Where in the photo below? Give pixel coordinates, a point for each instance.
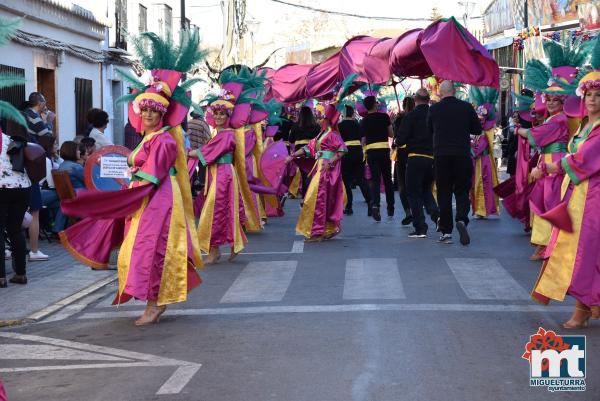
(35, 256)
(7, 254)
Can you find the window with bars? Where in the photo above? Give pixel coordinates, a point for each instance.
(14, 95)
(83, 103)
(164, 15)
(121, 24)
(143, 19)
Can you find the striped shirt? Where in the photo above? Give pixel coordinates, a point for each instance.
(36, 126)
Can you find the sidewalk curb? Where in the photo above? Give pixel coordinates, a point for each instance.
(55, 307)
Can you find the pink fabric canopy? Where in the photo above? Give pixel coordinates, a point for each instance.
(444, 49)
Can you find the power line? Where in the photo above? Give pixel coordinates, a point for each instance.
(353, 15)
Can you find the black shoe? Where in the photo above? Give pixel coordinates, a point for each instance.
(3, 283)
(376, 215)
(463, 233)
(417, 234)
(348, 211)
(18, 279)
(369, 210)
(407, 220)
(390, 211)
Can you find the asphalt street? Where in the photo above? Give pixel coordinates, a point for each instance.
(368, 316)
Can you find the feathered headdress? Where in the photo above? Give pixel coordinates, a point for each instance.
(7, 110)
(333, 109)
(565, 63)
(167, 63)
(484, 100)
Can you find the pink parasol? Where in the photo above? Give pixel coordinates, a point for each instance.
(272, 163)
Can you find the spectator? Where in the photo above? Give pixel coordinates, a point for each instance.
(89, 144)
(36, 116)
(38, 131)
(89, 118)
(452, 122)
(14, 196)
(198, 131)
(69, 151)
(50, 198)
(99, 121)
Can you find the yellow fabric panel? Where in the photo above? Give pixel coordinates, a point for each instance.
(208, 211)
(557, 272)
(478, 194)
(183, 181)
(173, 282)
(126, 250)
(540, 228)
(573, 125)
(238, 235)
(307, 214)
(239, 162)
(295, 184)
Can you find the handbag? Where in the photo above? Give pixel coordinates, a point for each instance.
(35, 161)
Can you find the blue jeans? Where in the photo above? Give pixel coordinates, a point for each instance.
(52, 203)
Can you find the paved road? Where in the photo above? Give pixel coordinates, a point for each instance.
(371, 315)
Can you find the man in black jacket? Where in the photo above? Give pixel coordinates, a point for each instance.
(419, 166)
(376, 127)
(452, 122)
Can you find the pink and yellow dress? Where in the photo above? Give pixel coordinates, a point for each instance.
(222, 216)
(551, 139)
(323, 207)
(157, 256)
(484, 201)
(574, 264)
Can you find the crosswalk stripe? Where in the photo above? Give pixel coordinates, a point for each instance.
(373, 278)
(485, 278)
(261, 282)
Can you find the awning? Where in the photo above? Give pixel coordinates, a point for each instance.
(498, 43)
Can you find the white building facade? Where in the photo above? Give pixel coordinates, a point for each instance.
(58, 51)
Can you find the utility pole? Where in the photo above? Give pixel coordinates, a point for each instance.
(183, 24)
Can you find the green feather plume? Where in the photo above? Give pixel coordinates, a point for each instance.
(131, 79)
(126, 98)
(345, 86)
(253, 78)
(482, 95)
(537, 75)
(8, 27)
(522, 102)
(274, 109)
(9, 111)
(566, 52)
(164, 54)
(187, 85)
(189, 54)
(595, 59)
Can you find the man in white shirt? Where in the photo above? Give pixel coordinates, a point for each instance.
(99, 122)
